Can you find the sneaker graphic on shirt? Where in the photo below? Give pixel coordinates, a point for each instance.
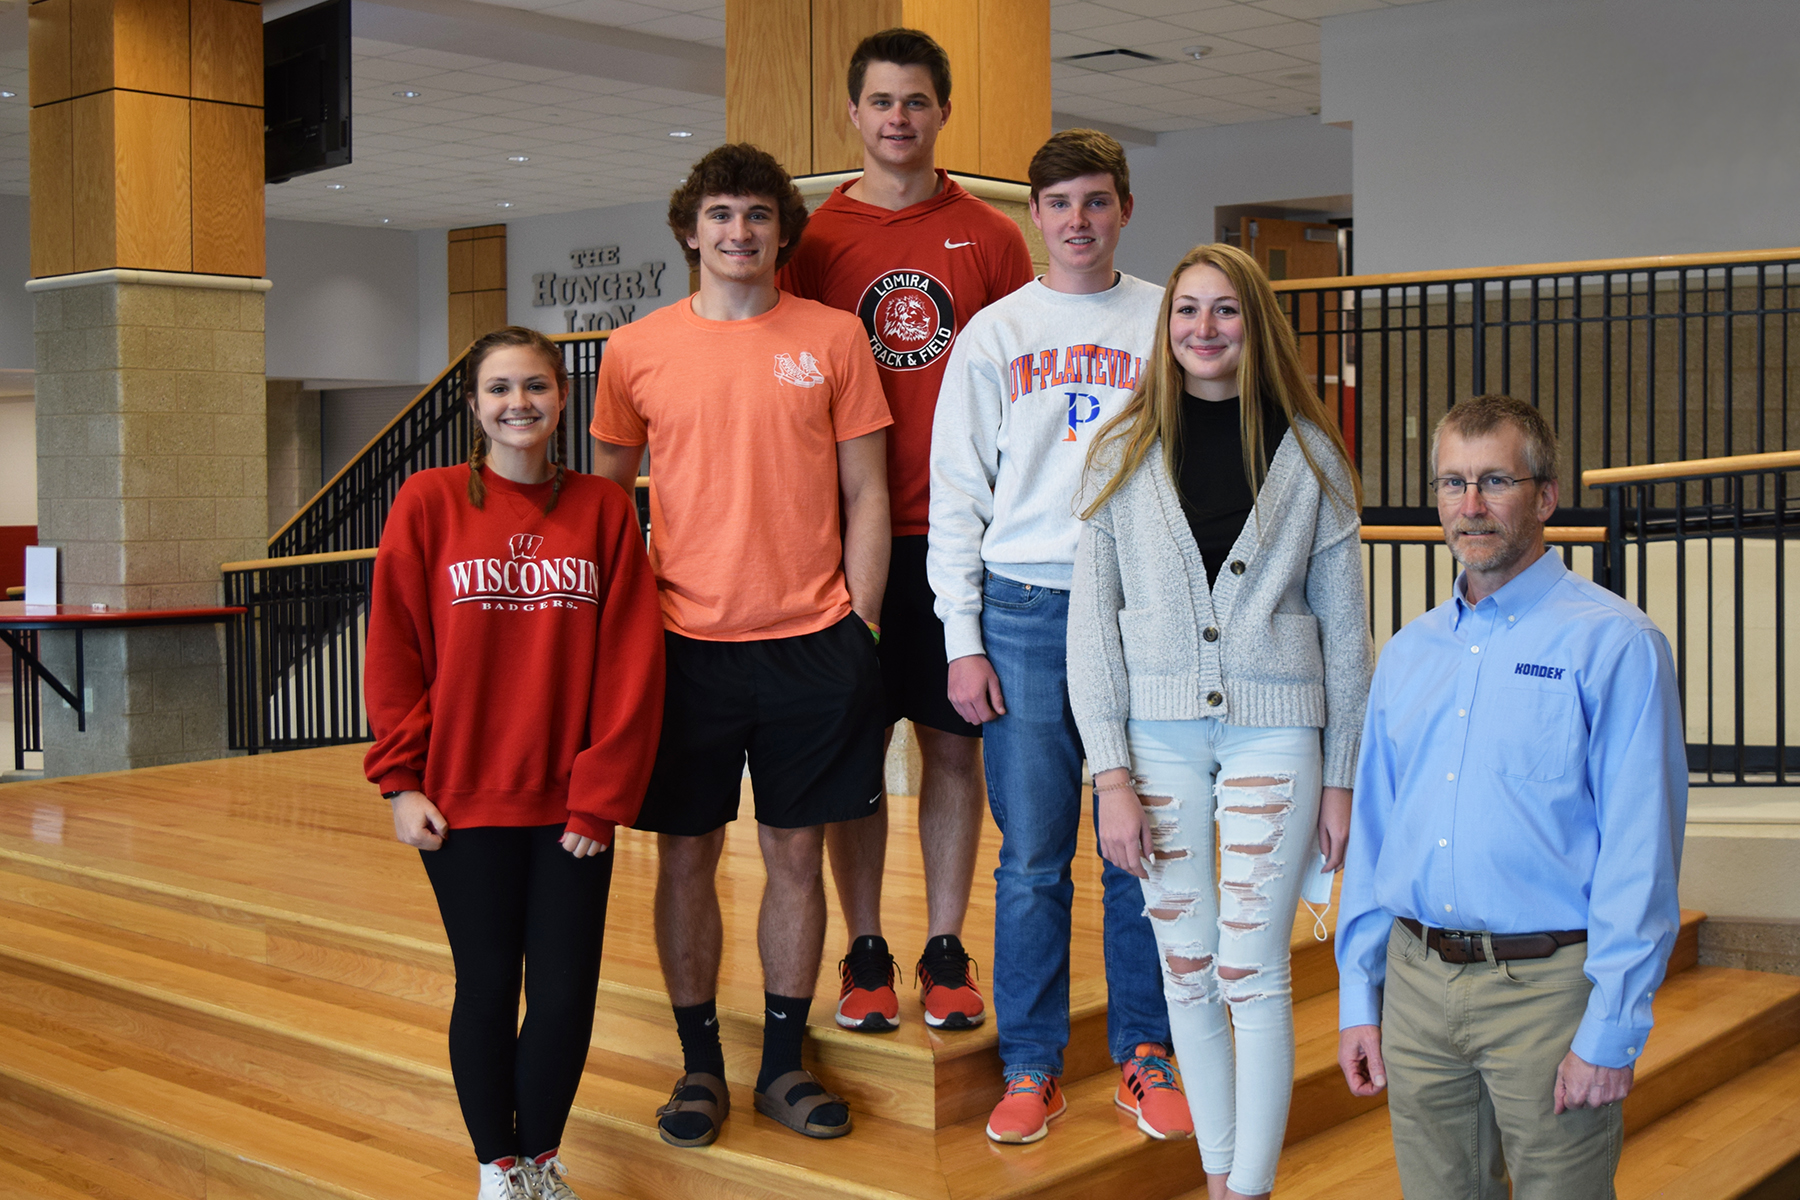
(804, 373)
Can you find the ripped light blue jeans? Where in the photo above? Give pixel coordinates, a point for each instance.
(1223, 934)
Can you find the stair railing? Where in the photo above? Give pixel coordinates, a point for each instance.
(1701, 546)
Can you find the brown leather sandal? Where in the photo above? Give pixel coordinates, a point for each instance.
(797, 1116)
(714, 1106)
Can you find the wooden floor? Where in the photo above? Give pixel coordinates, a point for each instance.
(226, 980)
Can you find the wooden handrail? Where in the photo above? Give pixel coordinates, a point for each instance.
(1692, 468)
(1596, 266)
(1573, 535)
(406, 408)
(296, 560)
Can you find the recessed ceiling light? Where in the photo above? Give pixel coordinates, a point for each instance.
(334, 187)
(7, 95)
(408, 95)
(503, 204)
(518, 158)
(1196, 52)
(681, 133)
(385, 220)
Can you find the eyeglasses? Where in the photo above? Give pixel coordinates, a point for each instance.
(1491, 487)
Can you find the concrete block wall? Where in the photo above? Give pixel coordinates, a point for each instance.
(293, 449)
(152, 470)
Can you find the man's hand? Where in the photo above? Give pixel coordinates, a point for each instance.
(1359, 1055)
(1125, 839)
(1580, 1084)
(974, 689)
(417, 822)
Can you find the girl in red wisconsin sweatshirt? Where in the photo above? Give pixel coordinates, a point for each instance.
(515, 690)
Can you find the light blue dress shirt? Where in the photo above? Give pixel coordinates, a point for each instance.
(1523, 769)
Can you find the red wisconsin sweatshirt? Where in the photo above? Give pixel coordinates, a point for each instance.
(515, 659)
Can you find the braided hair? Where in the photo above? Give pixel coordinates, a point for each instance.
(500, 339)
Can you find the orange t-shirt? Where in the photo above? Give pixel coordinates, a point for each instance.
(743, 419)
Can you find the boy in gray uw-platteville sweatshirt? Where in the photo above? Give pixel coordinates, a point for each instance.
(1030, 382)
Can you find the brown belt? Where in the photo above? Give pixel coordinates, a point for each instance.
(1464, 946)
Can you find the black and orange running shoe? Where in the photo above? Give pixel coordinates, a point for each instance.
(950, 1000)
(867, 1001)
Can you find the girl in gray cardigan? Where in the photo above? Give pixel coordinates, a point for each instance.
(1219, 662)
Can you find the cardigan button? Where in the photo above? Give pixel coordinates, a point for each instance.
(1211, 634)
(1237, 567)
(1214, 699)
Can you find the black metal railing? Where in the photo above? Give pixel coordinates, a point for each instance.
(1701, 546)
(294, 660)
(349, 512)
(28, 705)
(1631, 360)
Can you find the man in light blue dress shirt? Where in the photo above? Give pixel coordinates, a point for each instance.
(1509, 896)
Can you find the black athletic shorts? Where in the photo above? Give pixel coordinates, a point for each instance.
(914, 671)
(806, 711)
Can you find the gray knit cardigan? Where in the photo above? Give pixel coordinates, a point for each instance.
(1281, 639)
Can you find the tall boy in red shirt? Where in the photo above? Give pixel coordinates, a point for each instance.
(914, 256)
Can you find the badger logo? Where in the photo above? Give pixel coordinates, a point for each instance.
(910, 319)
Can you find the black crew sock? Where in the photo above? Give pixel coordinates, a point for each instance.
(698, 1026)
(784, 1028)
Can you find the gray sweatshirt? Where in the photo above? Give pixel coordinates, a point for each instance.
(1281, 640)
(1031, 380)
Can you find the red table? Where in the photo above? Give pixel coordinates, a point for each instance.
(16, 617)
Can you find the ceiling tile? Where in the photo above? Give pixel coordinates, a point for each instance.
(1314, 9)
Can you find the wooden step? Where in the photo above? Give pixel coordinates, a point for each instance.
(34, 1170)
(193, 1141)
(915, 1075)
(383, 1059)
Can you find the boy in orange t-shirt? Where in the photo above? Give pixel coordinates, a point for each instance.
(764, 417)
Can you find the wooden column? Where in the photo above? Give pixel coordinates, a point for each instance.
(785, 64)
(477, 279)
(146, 136)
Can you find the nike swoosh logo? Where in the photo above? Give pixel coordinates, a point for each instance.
(712, 1021)
(776, 1015)
(950, 245)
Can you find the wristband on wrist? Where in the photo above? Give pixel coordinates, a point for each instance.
(874, 629)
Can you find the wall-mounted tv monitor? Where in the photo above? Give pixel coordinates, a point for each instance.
(306, 91)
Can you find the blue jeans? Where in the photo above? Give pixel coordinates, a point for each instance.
(1032, 757)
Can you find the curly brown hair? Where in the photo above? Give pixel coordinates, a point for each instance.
(737, 169)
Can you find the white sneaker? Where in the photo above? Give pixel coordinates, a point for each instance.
(511, 1181)
(549, 1178)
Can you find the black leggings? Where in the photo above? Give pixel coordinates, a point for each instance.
(510, 896)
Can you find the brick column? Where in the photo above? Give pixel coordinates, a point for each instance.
(147, 253)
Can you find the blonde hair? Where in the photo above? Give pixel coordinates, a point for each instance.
(1268, 369)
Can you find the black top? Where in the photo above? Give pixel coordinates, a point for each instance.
(1215, 493)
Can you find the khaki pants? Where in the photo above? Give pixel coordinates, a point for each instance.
(1471, 1053)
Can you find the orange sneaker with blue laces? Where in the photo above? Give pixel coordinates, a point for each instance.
(1033, 1099)
(1150, 1090)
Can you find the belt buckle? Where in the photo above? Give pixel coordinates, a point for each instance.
(1467, 944)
